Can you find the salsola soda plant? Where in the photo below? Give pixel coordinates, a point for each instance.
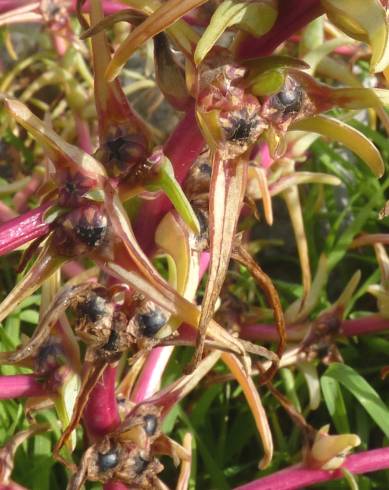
(159, 310)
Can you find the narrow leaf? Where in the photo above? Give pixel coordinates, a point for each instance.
(228, 182)
(256, 18)
(59, 151)
(348, 136)
(363, 392)
(162, 18)
(364, 20)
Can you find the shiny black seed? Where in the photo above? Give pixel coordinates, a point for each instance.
(241, 130)
(289, 100)
(140, 464)
(93, 309)
(150, 323)
(151, 423)
(108, 460)
(112, 343)
(91, 235)
(205, 168)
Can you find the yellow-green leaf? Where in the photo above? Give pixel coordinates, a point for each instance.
(364, 20)
(348, 136)
(256, 18)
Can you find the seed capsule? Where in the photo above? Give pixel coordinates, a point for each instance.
(108, 460)
(122, 153)
(150, 323)
(113, 341)
(80, 231)
(289, 101)
(151, 424)
(140, 464)
(93, 309)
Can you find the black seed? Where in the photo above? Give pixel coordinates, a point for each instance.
(93, 309)
(241, 130)
(289, 100)
(91, 235)
(112, 343)
(151, 323)
(151, 423)
(140, 464)
(108, 460)
(205, 168)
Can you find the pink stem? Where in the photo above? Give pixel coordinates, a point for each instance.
(21, 385)
(12, 486)
(263, 331)
(149, 380)
(365, 325)
(6, 5)
(109, 7)
(182, 148)
(23, 229)
(292, 16)
(359, 326)
(297, 477)
(72, 268)
(20, 200)
(101, 414)
(115, 485)
(83, 133)
(6, 213)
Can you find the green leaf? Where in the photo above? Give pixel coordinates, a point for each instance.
(335, 403)
(167, 182)
(364, 20)
(29, 316)
(256, 18)
(363, 392)
(348, 136)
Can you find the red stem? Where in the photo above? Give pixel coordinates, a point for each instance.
(109, 7)
(21, 385)
(6, 5)
(114, 485)
(292, 16)
(359, 326)
(297, 477)
(83, 135)
(23, 229)
(182, 148)
(101, 414)
(150, 378)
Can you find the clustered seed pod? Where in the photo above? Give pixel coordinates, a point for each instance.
(50, 356)
(127, 454)
(81, 231)
(150, 323)
(285, 106)
(122, 152)
(72, 188)
(113, 459)
(110, 328)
